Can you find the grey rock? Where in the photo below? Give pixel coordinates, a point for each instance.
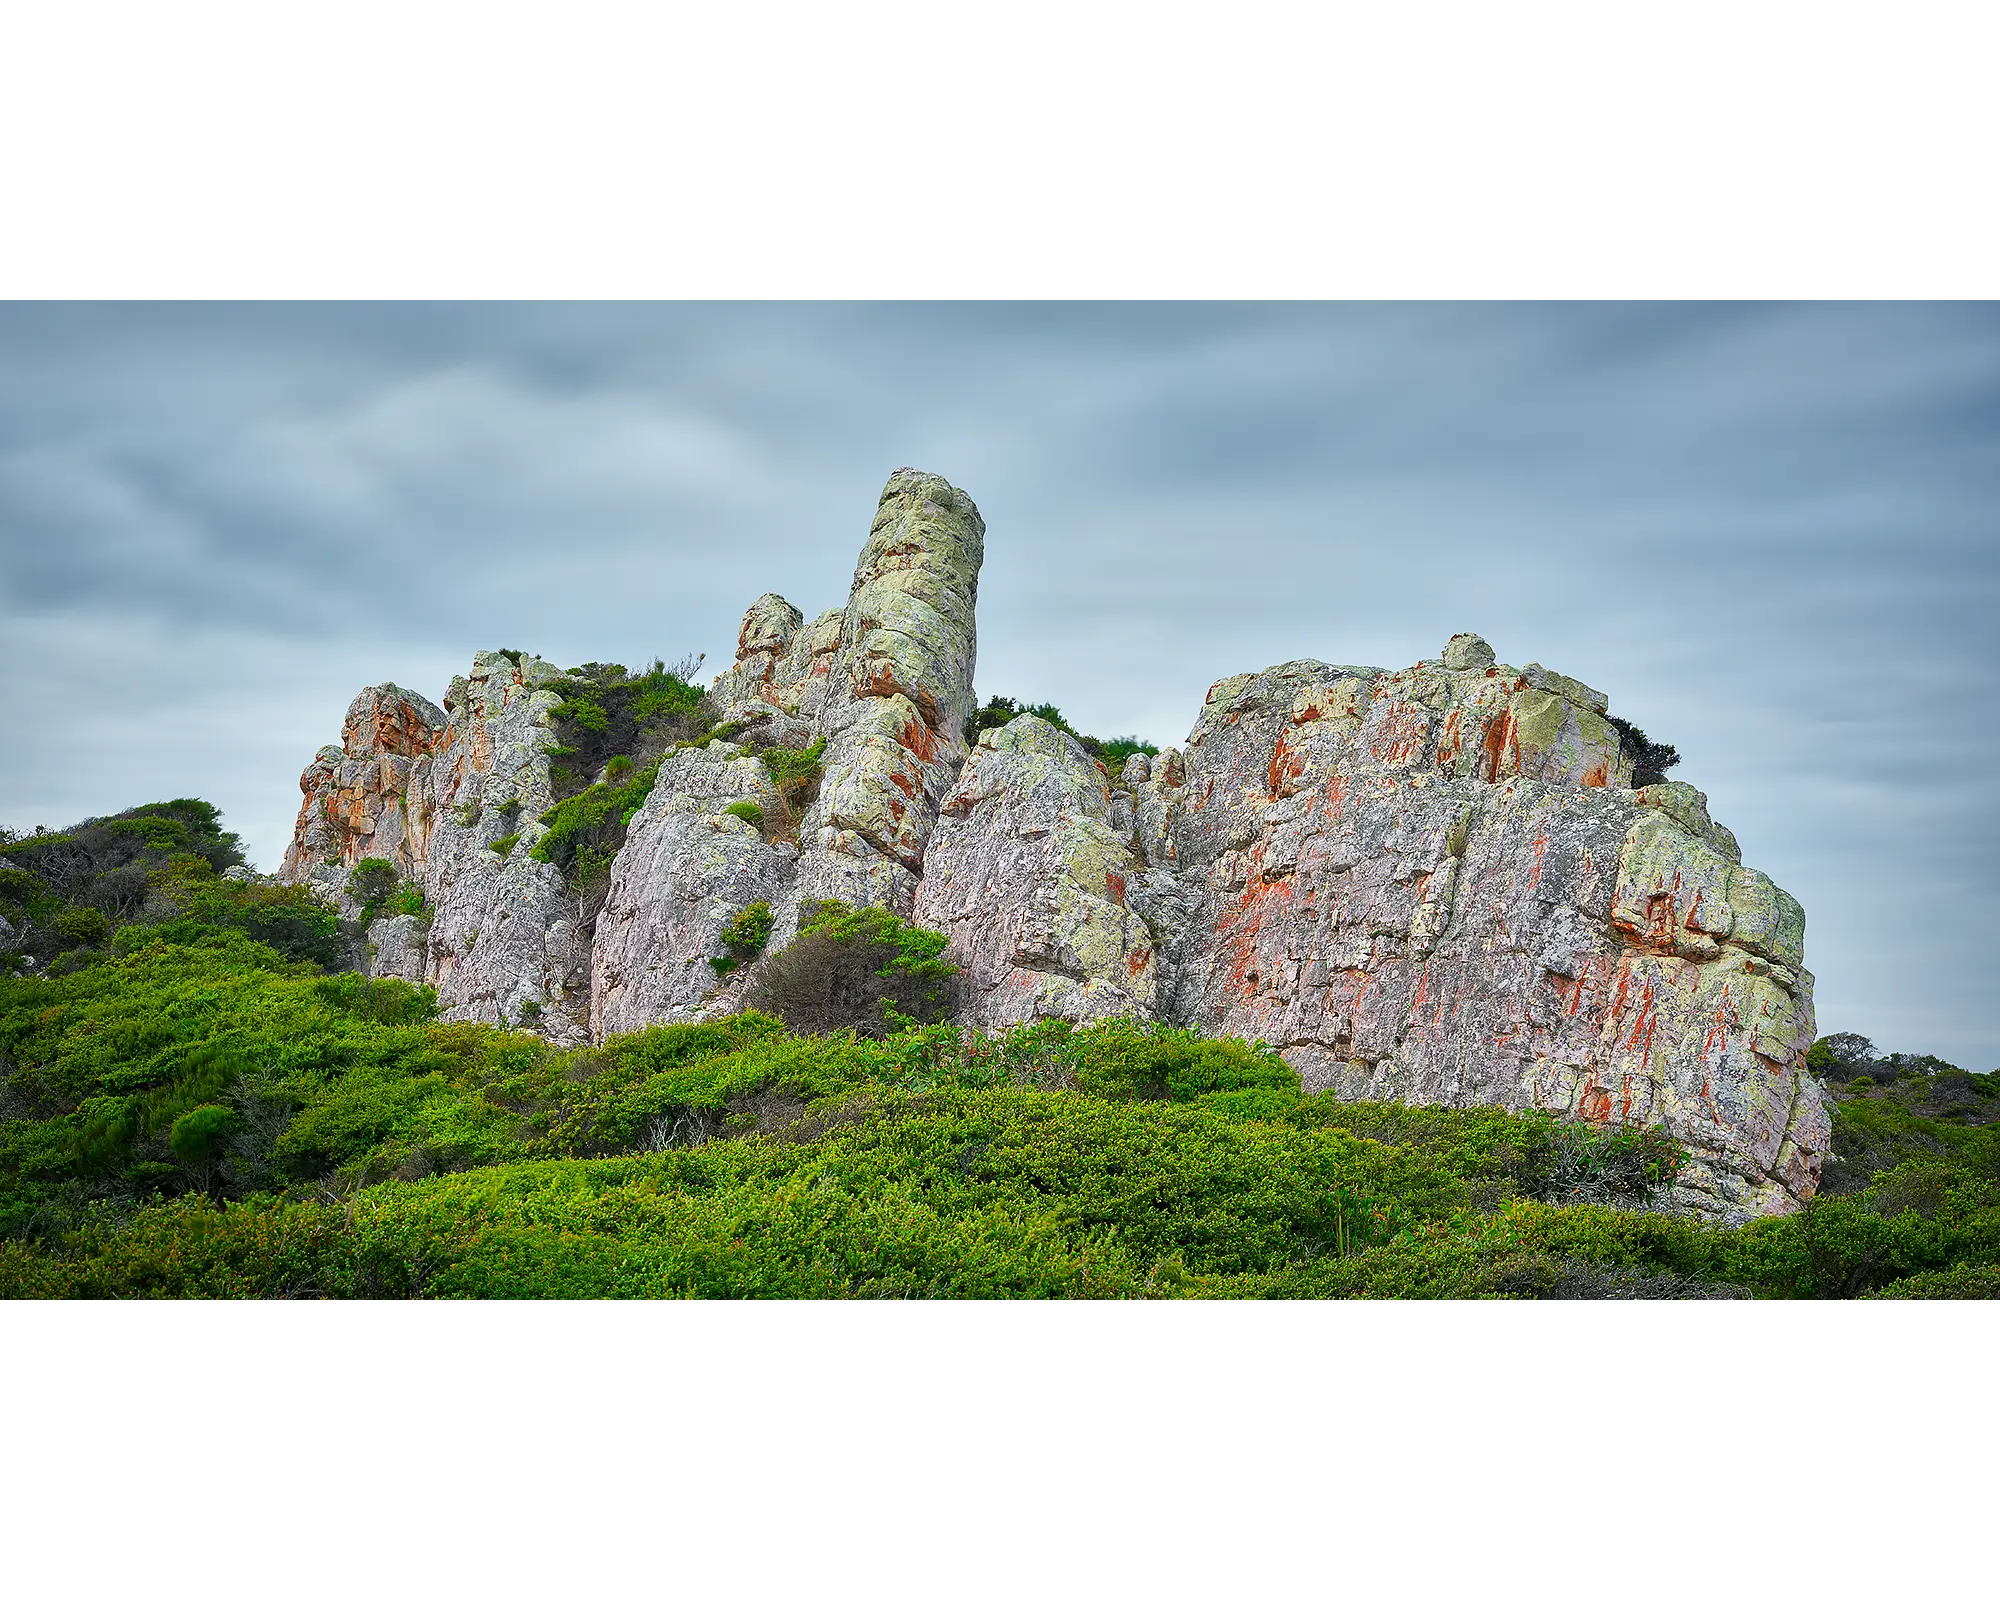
(1433, 887)
(886, 683)
(1577, 694)
(397, 949)
(430, 791)
(1028, 874)
(900, 679)
(687, 868)
(1467, 652)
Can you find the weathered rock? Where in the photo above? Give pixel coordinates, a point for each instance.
(1429, 885)
(1688, 806)
(762, 644)
(1464, 652)
(356, 792)
(1030, 879)
(431, 791)
(687, 868)
(900, 688)
(396, 949)
(782, 663)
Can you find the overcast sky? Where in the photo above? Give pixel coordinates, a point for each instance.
(1769, 533)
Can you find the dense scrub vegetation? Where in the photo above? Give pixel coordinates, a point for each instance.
(619, 727)
(608, 713)
(1902, 1112)
(194, 1102)
(67, 898)
(382, 891)
(1000, 710)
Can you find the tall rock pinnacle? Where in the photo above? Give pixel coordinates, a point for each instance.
(894, 719)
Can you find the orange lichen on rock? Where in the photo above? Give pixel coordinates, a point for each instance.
(1286, 767)
(1502, 746)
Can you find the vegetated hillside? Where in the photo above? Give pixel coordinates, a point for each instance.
(168, 867)
(189, 1110)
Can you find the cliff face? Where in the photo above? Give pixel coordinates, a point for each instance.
(1432, 884)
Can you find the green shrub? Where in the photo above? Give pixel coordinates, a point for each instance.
(1122, 1060)
(19, 889)
(504, 845)
(83, 925)
(287, 917)
(198, 1136)
(748, 810)
(868, 969)
(408, 901)
(721, 732)
(1584, 1163)
(1650, 761)
(380, 888)
(748, 930)
(616, 721)
(586, 714)
(1966, 1281)
(795, 772)
(372, 880)
(744, 938)
(586, 831)
(346, 1143)
(66, 891)
(1837, 1057)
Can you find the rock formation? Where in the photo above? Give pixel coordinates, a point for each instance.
(431, 792)
(1433, 884)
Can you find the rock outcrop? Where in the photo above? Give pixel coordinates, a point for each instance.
(1431, 885)
(688, 867)
(1029, 871)
(433, 792)
(1434, 884)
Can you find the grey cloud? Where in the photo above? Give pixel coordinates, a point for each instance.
(1767, 531)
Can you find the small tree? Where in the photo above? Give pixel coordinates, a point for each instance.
(1650, 761)
(744, 938)
(1840, 1057)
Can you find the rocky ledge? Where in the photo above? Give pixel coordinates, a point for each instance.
(1435, 884)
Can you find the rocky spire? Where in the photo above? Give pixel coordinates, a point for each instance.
(901, 692)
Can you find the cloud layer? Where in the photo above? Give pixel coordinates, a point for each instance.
(1769, 533)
